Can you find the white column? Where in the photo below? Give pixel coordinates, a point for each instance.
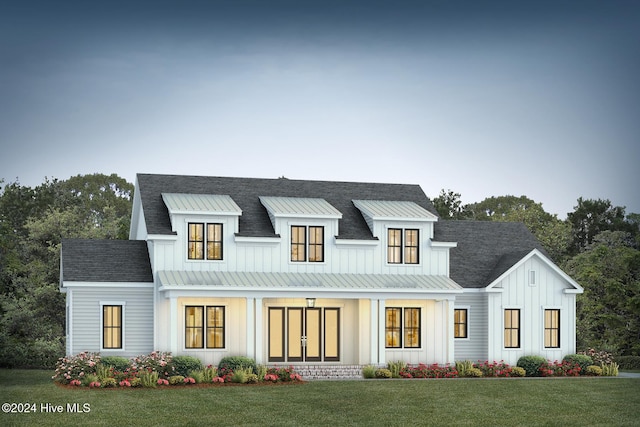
(173, 325)
(450, 331)
(251, 331)
(382, 356)
(259, 332)
(373, 332)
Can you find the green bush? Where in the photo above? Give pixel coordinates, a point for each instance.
(369, 371)
(118, 363)
(396, 367)
(243, 375)
(198, 376)
(517, 371)
(610, 369)
(473, 373)
(252, 379)
(261, 371)
(593, 370)
(109, 382)
(628, 362)
(531, 364)
(176, 379)
(463, 367)
(182, 365)
(232, 363)
(383, 373)
(148, 379)
(581, 359)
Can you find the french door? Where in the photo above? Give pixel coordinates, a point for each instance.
(300, 334)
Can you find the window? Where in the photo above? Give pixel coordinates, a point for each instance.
(403, 246)
(460, 323)
(552, 328)
(396, 330)
(112, 326)
(197, 238)
(300, 247)
(194, 327)
(512, 328)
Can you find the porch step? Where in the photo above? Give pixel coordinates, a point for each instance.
(329, 372)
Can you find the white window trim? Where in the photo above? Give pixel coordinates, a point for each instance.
(123, 304)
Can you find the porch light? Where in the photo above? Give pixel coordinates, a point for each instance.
(311, 302)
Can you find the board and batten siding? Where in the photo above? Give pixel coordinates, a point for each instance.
(474, 347)
(532, 300)
(84, 319)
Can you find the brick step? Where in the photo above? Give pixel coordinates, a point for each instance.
(329, 372)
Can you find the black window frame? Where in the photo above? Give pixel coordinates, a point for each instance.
(399, 251)
(552, 330)
(401, 330)
(302, 248)
(203, 327)
(407, 328)
(206, 245)
(509, 328)
(109, 330)
(459, 323)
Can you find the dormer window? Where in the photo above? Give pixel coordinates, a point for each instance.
(403, 246)
(307, 243)
(204, 238)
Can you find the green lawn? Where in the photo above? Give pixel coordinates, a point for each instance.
(552, 401)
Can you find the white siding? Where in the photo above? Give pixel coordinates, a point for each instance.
(85, 324)
(532, 300)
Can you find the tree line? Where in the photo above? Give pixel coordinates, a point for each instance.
(598, 245)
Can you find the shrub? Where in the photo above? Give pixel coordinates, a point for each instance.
(473, 373)
(154, 361)
(148, 379)
(284, 374)
(88, 379)
(198, 376)
(531, 364)
(75, 367)
(109, 382)
(182, 365)
(383, 373)
(517, 371)
(261, 371)
(581, 359)
(566, 368)
(252, 378)
(240, 375)
(610, 369)
(628, 362)
(429, 371)
(136, 382)
(593, 370)
(463, 366)
(369, 371)
(229, 364)
(103, 372)
(396, 367)
(176, 379)
(118, 363)
(599, 357)
(494, 369)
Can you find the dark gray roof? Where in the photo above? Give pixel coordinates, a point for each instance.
(485, 250)
(246, 192)
(91, 260)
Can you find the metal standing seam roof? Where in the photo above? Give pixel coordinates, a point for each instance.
(200, 203)
(393, 210)
(320, 281)
(299, 206)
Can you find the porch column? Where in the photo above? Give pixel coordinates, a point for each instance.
(382, 356)
(251, 328)
(451, 331)
(373, 332)
(258, 332)
(173, 325)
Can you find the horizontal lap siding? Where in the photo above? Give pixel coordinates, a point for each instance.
(138, 319)
(475, 347)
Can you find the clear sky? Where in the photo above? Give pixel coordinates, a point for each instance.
(487, 98)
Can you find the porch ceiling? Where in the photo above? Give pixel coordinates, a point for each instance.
(307, 281)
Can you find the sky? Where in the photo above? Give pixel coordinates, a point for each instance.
(485, 98)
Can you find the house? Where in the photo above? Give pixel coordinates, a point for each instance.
(312, 272)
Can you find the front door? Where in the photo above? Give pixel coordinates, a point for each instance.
(299, 334)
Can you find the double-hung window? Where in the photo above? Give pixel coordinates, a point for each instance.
(307, 243)
(512, 328)
(401, 333)
(201, 331)
(204, 238)
(112, 326)
(552, 328)
(460, 325)
(403, 246)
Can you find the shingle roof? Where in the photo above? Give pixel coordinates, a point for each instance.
(92, 260)
(246, 192)
(485, 250)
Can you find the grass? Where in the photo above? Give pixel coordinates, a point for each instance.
(552, 401)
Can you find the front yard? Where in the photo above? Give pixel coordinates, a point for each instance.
(484, 401)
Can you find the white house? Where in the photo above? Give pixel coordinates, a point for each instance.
(312, 272)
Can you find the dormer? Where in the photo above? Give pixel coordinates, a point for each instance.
(304, 223)
(402, 226)
(206, 221)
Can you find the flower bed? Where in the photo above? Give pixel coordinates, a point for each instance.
(160, 369)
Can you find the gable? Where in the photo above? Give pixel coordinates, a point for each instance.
(246, 193)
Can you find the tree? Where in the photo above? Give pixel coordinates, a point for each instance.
(609, 309)
(449, 205)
